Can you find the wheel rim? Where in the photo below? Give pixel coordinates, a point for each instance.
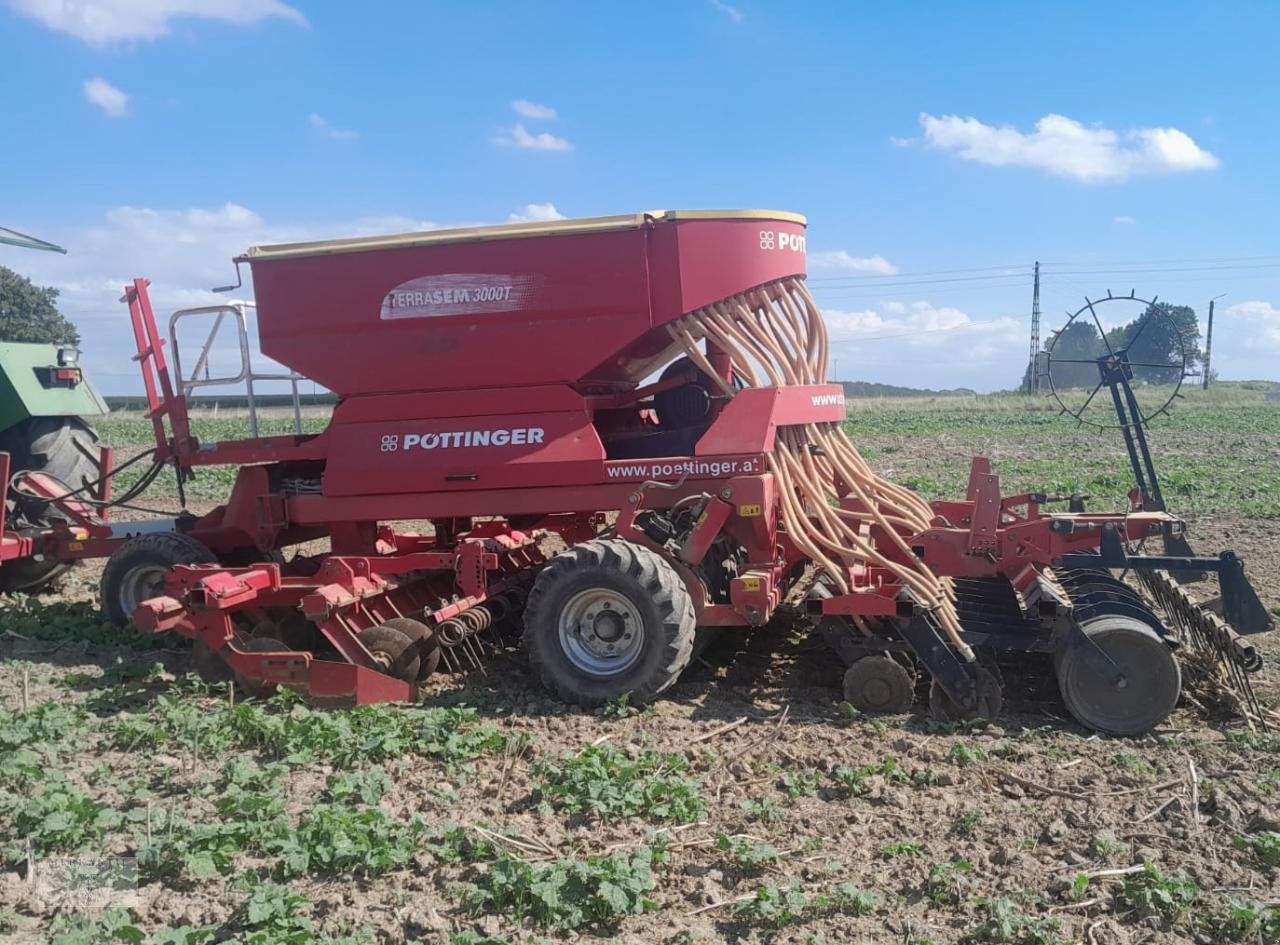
(601, 632)
(142, 583)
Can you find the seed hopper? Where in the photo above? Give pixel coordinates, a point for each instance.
(615, 438)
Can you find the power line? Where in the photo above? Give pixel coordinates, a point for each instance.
(925, 272)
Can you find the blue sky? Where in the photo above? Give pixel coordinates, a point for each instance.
(159, 137)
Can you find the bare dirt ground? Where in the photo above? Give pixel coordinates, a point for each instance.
(767, 812)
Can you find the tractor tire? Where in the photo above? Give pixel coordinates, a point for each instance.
(135, 571)
(65, 448)
(608, 619)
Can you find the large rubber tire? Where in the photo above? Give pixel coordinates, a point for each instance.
(642, 586)
(65, 448)
(135, 571)
(1090, 681)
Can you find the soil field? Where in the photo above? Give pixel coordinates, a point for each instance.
(749, 805)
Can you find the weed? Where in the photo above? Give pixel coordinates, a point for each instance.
(966, 825)
(1152, 892)
(1105, 845)
(334, 838)
(1243, 922)
(610, 784)
(854, 780)
(300, 735)
(963, 755)
(365, 787)
(460, 844)
(765, 810)
(39, 726)
(891, 851)
(58, 818)
(1007, 923)
(1128, 761)
(948, 882)
(799, 784)
(1265, 846)
(774, 906)
(618, 708)
(570, 893)
(751, 858)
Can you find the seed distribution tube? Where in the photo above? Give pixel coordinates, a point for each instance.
(774, 335)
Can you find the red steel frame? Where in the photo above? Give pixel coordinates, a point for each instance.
(377, 467)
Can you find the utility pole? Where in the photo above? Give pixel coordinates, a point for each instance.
(1033, 378)
(1208, 344)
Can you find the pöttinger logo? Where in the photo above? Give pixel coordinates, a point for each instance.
(390, 443)
(766, 239)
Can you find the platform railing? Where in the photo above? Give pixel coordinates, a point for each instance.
(235, 313)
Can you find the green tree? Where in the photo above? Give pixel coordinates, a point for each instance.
(1158, 341)
(1077, 342)
(29, 313)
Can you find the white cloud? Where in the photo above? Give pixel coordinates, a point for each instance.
(1124, 221)
(532, 110)
(519, 137)
(112, 21)
(838, 259)
(1065, 147)
(535, 213)
(106, 96)
(733, 13)
(878, 337)
(321, 124)
(1261, 321)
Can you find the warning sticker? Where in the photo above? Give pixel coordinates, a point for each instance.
(459, 293)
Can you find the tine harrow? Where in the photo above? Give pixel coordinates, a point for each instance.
(1229, 657)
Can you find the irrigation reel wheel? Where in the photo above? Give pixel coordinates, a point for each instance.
(1080, 359)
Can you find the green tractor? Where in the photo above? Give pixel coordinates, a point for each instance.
(44, 400)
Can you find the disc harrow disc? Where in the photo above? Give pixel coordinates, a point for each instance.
(990, 699)
(1126, 681)
(394, 650)
(878, 684)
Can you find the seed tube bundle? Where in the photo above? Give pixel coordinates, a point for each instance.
(775, 336)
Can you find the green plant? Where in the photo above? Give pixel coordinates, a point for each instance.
(365, 787)
(966, 825)
(947, 883)
(1005, 922)
(113, 925)
(570, 893)
(749, 857)
(1151, 891)
(610, 784)
(902, 848)
(854, 780)
(333, 839)
(40, 726)
(1264, 846)
(774, 906)
(1128, 761)
(460, 844)
(765, 810)
(1104, 846)
(1243, 922)
(799, 784)
(963, 755)
(58, 818)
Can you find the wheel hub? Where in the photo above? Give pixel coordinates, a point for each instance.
(601, 631)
